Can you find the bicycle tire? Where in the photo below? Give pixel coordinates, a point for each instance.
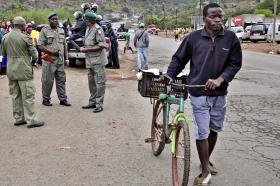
(158, 128)
(181, 165)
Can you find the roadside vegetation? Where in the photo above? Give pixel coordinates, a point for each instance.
(165, 13)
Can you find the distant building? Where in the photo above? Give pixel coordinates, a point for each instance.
(248, 19)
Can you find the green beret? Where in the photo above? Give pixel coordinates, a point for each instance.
(90, 16)
(18, 20)
(51, 15)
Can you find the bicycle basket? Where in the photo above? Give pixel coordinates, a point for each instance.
(149, 86)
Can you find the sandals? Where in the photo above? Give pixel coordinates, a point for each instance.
(201, 181)
(212, 169)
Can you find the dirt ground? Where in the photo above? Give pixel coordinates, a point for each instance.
(261, 47)
(127, 70)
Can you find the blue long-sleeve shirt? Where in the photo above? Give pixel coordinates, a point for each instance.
(80, 27)
(208, 60)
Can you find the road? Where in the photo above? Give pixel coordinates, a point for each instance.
(78, 147)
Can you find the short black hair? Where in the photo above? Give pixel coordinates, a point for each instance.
(211, 5)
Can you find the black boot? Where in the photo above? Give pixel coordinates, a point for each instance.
(65, 103)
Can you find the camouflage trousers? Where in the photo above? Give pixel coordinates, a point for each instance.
(23, 98)
(51, 72)
(97, 84)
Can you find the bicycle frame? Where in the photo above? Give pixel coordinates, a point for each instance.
(168, 100)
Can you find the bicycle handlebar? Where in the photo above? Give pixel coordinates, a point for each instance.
(182, 85)
(188, 86)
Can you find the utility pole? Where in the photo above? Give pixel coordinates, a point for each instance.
(274, 20)
(199, 17)
(176, 9)
(163, 4)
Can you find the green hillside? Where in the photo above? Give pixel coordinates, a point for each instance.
(161, 12)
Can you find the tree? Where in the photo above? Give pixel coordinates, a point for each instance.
(266, 12)
(269, 4)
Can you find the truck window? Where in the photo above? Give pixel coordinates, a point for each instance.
(257, 28)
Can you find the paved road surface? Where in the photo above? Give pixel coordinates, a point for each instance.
(78, 147)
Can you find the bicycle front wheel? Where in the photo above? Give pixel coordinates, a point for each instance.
(158, 128)
(181, 158)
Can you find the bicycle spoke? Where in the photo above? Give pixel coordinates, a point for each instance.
(181, 159)
(159, 112)
(157, 129)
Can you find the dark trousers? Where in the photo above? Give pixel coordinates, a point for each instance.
(72, 42)
(3, 66)
(127, 47)
(113, 58)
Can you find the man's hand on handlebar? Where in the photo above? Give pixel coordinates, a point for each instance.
(212, 84)
(164, 78)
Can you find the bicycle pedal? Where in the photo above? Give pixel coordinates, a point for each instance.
(148, 140)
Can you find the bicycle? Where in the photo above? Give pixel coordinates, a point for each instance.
(175, 133)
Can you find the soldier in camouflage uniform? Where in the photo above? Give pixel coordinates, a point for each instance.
(52, 42)
(96, 60)
(19, 49)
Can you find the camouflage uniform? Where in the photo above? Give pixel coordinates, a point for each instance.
(95, 62)
(19, 49)
(54, 39)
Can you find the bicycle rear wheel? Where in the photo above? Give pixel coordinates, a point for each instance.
(158, 128)
(181, 158)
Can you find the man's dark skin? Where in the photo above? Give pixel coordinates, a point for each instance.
(53, 21)
(90, 23)
(94, 9)
(213, 24)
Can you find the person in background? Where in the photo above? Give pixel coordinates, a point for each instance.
(113, 58)
(86, 7)
(2, 27)
(1, 57)
(78, 31)
(8, 26)
(94, 7)
(176, 34)
(127, 42)
(141, 42)
(35, 36)
(65, 27)
(28, 29)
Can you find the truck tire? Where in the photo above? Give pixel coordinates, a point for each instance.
(72, 62)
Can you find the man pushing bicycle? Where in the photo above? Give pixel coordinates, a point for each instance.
(215, 57)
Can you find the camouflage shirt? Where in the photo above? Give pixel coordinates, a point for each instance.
(95, 36)
(19, 49)
(55, 40)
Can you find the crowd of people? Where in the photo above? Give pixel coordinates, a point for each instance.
(180, 33)
(5, 27)
(25, 44)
